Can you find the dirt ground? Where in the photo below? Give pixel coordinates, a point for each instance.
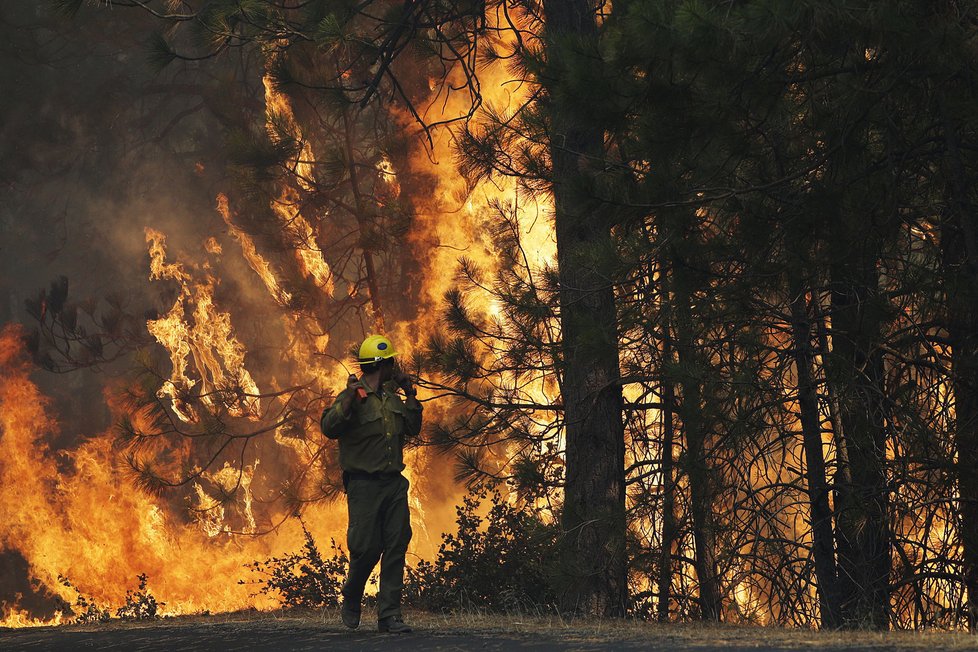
(322, 632)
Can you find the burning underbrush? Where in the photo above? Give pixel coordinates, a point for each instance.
(76, 514)
(140, 604)
(80, 539)
(95, 546)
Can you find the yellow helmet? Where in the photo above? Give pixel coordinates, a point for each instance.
(376, 348)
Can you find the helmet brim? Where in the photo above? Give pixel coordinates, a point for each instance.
(378, 358)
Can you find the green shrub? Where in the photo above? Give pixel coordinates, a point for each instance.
(140, 604)
(304, 579)
(499, 562)
(91, 612)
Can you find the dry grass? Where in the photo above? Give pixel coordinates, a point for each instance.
(687, 635)
(588, 632)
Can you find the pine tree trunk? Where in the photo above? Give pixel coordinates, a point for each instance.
(841, 475)
(373, 290)
(668, 480)
(862, 526)
(960, 252)
(593, 517)
(823, 548)
(963, 330)
(701, 485)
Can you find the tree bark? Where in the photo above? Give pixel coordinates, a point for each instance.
(593, 517)
(823, 547)
(862, 526)
(669, 528)
(701, 484)
(963, 330)
(960, 261)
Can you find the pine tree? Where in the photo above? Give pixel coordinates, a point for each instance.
(953, 106)
(593, 517)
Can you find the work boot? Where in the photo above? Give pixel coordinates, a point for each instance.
(350, 614)
(393, 625)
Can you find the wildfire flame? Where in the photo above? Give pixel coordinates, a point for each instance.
(297, 228)
(217, 354)
(250, 252)
(76, 513)
(91, 525)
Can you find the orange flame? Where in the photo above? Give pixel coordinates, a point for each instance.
(250, 252)
(217, 354)
(92, 526)
(309, 256)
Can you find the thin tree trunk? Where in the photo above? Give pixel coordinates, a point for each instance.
(841, 475)
(593, 517)
(960, 253)
(862, 526)
(373, 290)
(701, 485)
(667, 462)
(823, 548)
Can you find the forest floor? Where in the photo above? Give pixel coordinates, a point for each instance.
(322, 631)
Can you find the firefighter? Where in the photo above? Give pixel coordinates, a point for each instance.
(371, 422)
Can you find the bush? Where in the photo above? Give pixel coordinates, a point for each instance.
(304, 579)
(498, 563)
(92, 613)
(140, 604)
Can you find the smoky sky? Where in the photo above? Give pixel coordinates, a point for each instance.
(96, 144)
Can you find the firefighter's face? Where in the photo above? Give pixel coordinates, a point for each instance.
(387, 368)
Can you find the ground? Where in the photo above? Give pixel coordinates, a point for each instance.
(322, 631)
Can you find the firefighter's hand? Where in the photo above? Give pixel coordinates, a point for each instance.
(351, 384)
(404, 381)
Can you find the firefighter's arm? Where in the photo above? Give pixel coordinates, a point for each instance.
(412, 406)
(412, 415)
(338, 418)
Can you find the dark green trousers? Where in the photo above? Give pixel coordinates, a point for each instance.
(380, 529)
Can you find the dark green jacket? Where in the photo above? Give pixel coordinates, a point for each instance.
(372, 434)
